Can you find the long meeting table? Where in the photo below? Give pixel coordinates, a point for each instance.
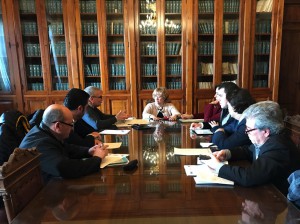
(158, 191)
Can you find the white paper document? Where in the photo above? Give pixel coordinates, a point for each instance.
(130, 122)
(191, 120)
(114, 132)
(192, 151)
(203, 131)
(206, 144)
(114, 160)
(193, 170)
(208, 177)
(113, 145)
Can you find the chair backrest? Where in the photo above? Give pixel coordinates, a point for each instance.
(20, 180)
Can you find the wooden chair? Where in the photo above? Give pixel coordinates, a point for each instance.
(20, 180)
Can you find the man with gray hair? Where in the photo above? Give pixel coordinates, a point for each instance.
(95, 117)
(270, 152)
(59, 159)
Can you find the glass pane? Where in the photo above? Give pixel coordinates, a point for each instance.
(173, 44)
(57, 43)
(205, 44)
(230, 49)
(115, 42)
(31, 44)
(4, 69)
(148, 44)
(262, 44)
(90, 46)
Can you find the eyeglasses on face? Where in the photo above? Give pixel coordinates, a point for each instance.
(248, 130)
(71, 124)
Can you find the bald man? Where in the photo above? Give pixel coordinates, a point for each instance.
(59, 159)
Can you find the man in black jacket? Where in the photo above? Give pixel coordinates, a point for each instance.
(60, 159)
(270, 154)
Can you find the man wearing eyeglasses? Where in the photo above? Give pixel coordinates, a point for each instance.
(270, 154)
(95, 117)
(58, 158)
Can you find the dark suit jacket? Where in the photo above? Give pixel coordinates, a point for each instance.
(60, 159)
(273, 165)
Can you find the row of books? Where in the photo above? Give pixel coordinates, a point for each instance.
(54, 6)
(96, 84)
(230, 47)
(120, 85)
(227, 68)
(174, 84)
(61, 86)
(116, 27)
(173, 48)
(87, 6)
(206, 26)
(148, 48)
(116, 49)
(262, 47)
(174, 28)
(56, 28)
(206, 6)
(206, 48)
(264, 6)
(149, 85)
(29, 28)
(60, 70)
(231, 26)
(263, 26)
(114, 6)
(35, 70)
(89, 27)
(174, 69)
(205, 85)
(27, 6)
(231, 6)
(261, 68)
(92, 70)
(58, 48)
(146, 28)
(173, 6)
(149, 69)
(32, 50)
(35, 86)
(90, 49)
(117, 70)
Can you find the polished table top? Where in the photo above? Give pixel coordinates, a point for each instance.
(157, 192)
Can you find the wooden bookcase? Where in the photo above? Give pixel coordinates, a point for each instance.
(128, 48)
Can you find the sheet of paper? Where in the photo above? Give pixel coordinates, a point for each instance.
(114, 132)
(192, 170)
(192, 151)
(113, 145)
(130, 122)
(205, 176)
(203, 132)
(114, 159)
(206, 144)
(191, 120)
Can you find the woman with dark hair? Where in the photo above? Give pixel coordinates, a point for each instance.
(234, 134)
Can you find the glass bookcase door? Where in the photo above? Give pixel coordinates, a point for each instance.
(57, 45)
(262, 44)
(31, 45)
(173, 45)
(5, 83)
(90, 48)
(147, 46)
(205, 44)
(115, 44)
(230, 46)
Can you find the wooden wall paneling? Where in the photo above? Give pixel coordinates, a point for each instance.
(6, 105)
(34, 103)
(289, 84)
(115, 104)
(132, 63)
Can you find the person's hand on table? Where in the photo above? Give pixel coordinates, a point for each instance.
(220, 155)
(100, 151)
(173, 118)
(213, 123)
(187, 116)
(196, 125)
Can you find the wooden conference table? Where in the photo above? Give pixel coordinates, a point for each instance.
(157, 192)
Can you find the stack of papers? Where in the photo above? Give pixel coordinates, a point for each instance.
(114, 160)
(203, 175)
(114, 132)
(131, 121)
(190, 120)
(192, 151)
(113, 145)
(203, 131)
